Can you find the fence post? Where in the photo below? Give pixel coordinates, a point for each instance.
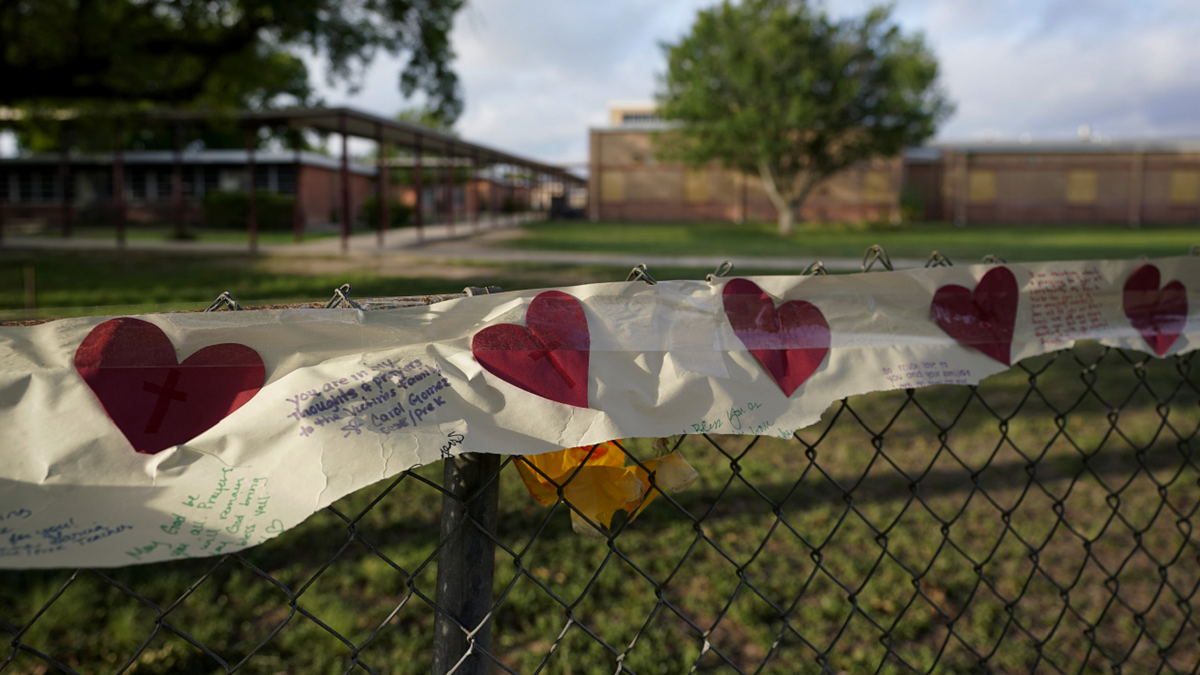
(466, 562)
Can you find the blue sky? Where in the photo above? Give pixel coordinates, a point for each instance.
(537, 73)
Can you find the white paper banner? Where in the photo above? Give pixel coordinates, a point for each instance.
(135, 440)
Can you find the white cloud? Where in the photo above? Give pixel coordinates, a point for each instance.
(537, 73)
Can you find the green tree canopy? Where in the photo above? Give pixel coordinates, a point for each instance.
(113, 55)
(777, 88)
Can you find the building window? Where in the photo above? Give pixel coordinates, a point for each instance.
(612, 186)
(638, 118)
(1081, 187)
(981, 187)
(695, 187)
(1185, 187)
(877, 186)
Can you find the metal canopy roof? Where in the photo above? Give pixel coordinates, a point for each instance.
(373, 127)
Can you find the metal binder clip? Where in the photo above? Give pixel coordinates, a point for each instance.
(936, 259)
(342, 294)
(815, 268)
(639, 273)
(472, 291)
(876, 254)
(993, 259)
(722, 270)
(224, 300)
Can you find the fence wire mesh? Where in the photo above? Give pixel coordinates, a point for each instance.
(1041, 522)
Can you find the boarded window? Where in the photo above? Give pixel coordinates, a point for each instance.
(695, 187)
(1185, 187)
(1081, 187)
(981, 187)
(612, 186)
(876, 186)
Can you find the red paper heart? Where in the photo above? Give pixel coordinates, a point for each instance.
(1158, 314)
(155, 400)
(984, 319)
(548, 356)
(790, 341)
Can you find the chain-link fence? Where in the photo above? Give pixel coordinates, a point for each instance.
(1041, 522)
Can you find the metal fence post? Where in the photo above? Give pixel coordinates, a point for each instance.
(466, 563)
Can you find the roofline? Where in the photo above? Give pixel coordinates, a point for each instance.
(356, 123)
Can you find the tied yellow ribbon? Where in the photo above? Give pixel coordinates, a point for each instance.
(596, 481)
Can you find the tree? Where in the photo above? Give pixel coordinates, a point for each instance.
(777, 88)
(214, 53)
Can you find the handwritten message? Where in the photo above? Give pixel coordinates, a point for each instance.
(924, 373)
(53, 538)
(232, 511)
(1063, 306)
(383, 398)
(739, 420)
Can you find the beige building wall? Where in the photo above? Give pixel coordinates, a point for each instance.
(629, 182)
(1130, 183)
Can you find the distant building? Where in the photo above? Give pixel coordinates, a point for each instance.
(627, 182)
(1132, 182)
(31, 188)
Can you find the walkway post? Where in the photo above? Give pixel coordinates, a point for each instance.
(466, 564)
(251, 203)
(297, 207)
(418, 217)
(118, 188)
(449, 176)
(177, 183)
(64, 180)
(345, 179)
(382, 186)
(475, 191)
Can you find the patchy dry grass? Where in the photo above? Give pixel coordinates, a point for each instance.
(1040, 522)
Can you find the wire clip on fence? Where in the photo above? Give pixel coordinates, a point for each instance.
(225, 299)
(937, 259)
(639, 273)
(876, 254)
(341, 295)
(723, 270)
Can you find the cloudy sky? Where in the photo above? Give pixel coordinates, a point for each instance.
(537, 73)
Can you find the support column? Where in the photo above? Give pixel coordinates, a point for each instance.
(385, 202)
(251, 202)
(177, 184)
(474, 201)
(118, 188)
(418, 217)
(64, 181)
(297, 206)
(449, 176)
(345, 176)
(493, 196)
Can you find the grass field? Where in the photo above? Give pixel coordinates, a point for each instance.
(1028, 528)
(130, 282)
(961, 244)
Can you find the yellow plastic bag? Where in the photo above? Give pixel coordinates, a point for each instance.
(597, 482)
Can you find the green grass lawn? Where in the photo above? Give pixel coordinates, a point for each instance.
(133, 282)
(1012, 526)
(915, 241)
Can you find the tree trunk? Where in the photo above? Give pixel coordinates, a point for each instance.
(782, 207)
